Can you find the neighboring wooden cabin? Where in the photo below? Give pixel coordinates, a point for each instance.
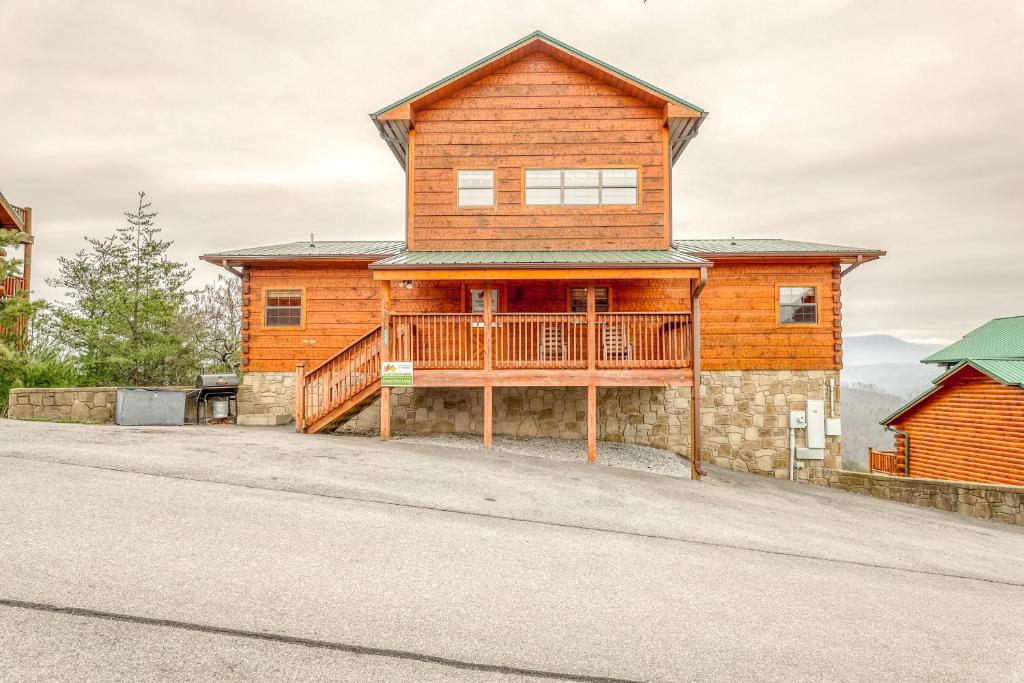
(970, 425)
(538, 252)
(17, 219)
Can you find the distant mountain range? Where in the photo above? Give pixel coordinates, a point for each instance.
(889, 363)
(877, 349)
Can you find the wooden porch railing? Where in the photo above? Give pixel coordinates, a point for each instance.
(438, 341)
(644, 340)
(542, 340)
(340, 378)
(886, 462)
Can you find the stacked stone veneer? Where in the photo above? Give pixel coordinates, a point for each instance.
(745, 418)
(744, 414)
(657, 416)
(267, 393)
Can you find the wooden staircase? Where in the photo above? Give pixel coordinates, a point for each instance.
(339, 386)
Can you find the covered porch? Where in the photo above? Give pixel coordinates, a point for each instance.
(549, 324)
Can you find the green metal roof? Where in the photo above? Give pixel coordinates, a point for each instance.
(1008, 372)
(428, 259)
(554, 41)
(999, 339)
(768, 247)
(319, 249)
(682, 251)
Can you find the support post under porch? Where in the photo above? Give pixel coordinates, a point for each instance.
(696, 287)
(488, 415)
(385, 343)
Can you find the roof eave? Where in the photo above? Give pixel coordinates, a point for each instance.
(865, 256)
(535, 266)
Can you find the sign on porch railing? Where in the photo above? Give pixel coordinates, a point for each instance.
(396, 374)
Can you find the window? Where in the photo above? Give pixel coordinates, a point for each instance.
(476, 188)
(798, 305)
(284, 308)
(578, 299)
(581, 186)
(476, 300)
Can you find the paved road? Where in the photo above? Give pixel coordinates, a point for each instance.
(244, 554)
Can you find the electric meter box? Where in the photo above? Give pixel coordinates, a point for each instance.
(797, 419)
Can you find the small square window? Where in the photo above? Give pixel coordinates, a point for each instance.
(284, 308)
(476, 188)
(798, 305)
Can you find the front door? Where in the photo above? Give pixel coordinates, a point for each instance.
(475, 304)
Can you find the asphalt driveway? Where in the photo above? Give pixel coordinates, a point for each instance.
(242, 554)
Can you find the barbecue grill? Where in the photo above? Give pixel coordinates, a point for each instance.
(223, 387)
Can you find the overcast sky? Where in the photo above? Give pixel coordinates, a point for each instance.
(894, 125)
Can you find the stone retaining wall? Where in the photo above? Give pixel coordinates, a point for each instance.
(73, 404)
(982, 501)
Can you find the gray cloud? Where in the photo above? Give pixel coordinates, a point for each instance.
(881, 124)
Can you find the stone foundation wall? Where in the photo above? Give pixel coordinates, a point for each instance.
(656, 416)
(73, 404)
(983, 501)
(744, 414)
(267, 393)
(745, 418)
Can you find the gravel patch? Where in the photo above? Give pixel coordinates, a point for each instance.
(628, 456)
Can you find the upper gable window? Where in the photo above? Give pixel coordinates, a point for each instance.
(476, 188)
(581, 186)
(798, 305)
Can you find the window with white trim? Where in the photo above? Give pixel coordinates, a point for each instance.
(581, 186)
(283, 308)
(476, 188)
(798, 305)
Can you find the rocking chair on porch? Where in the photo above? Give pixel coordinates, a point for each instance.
(615, 343)
(552, 342)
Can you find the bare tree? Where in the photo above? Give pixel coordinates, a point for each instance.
(215, 324)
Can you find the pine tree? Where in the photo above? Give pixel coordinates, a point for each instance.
(124, 300)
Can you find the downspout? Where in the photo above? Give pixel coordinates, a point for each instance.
(906, 448)
(696, 471)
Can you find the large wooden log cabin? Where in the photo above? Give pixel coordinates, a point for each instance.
(538, 290)
(969, 426)
(17, 219)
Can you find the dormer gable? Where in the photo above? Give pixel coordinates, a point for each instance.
(394, 121)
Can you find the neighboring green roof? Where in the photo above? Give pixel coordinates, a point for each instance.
(1008, 372)
(773, 247)
(330, 248)
(661, 257)
(554, 41)
(999, 339)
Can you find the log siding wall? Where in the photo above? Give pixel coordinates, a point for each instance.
(739, 322)
(537, 112)
(740, 327)
(972, 429)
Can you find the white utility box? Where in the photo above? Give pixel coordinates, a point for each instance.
(833, 426)
(797, 419)
(810, 454)
(815, 424)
